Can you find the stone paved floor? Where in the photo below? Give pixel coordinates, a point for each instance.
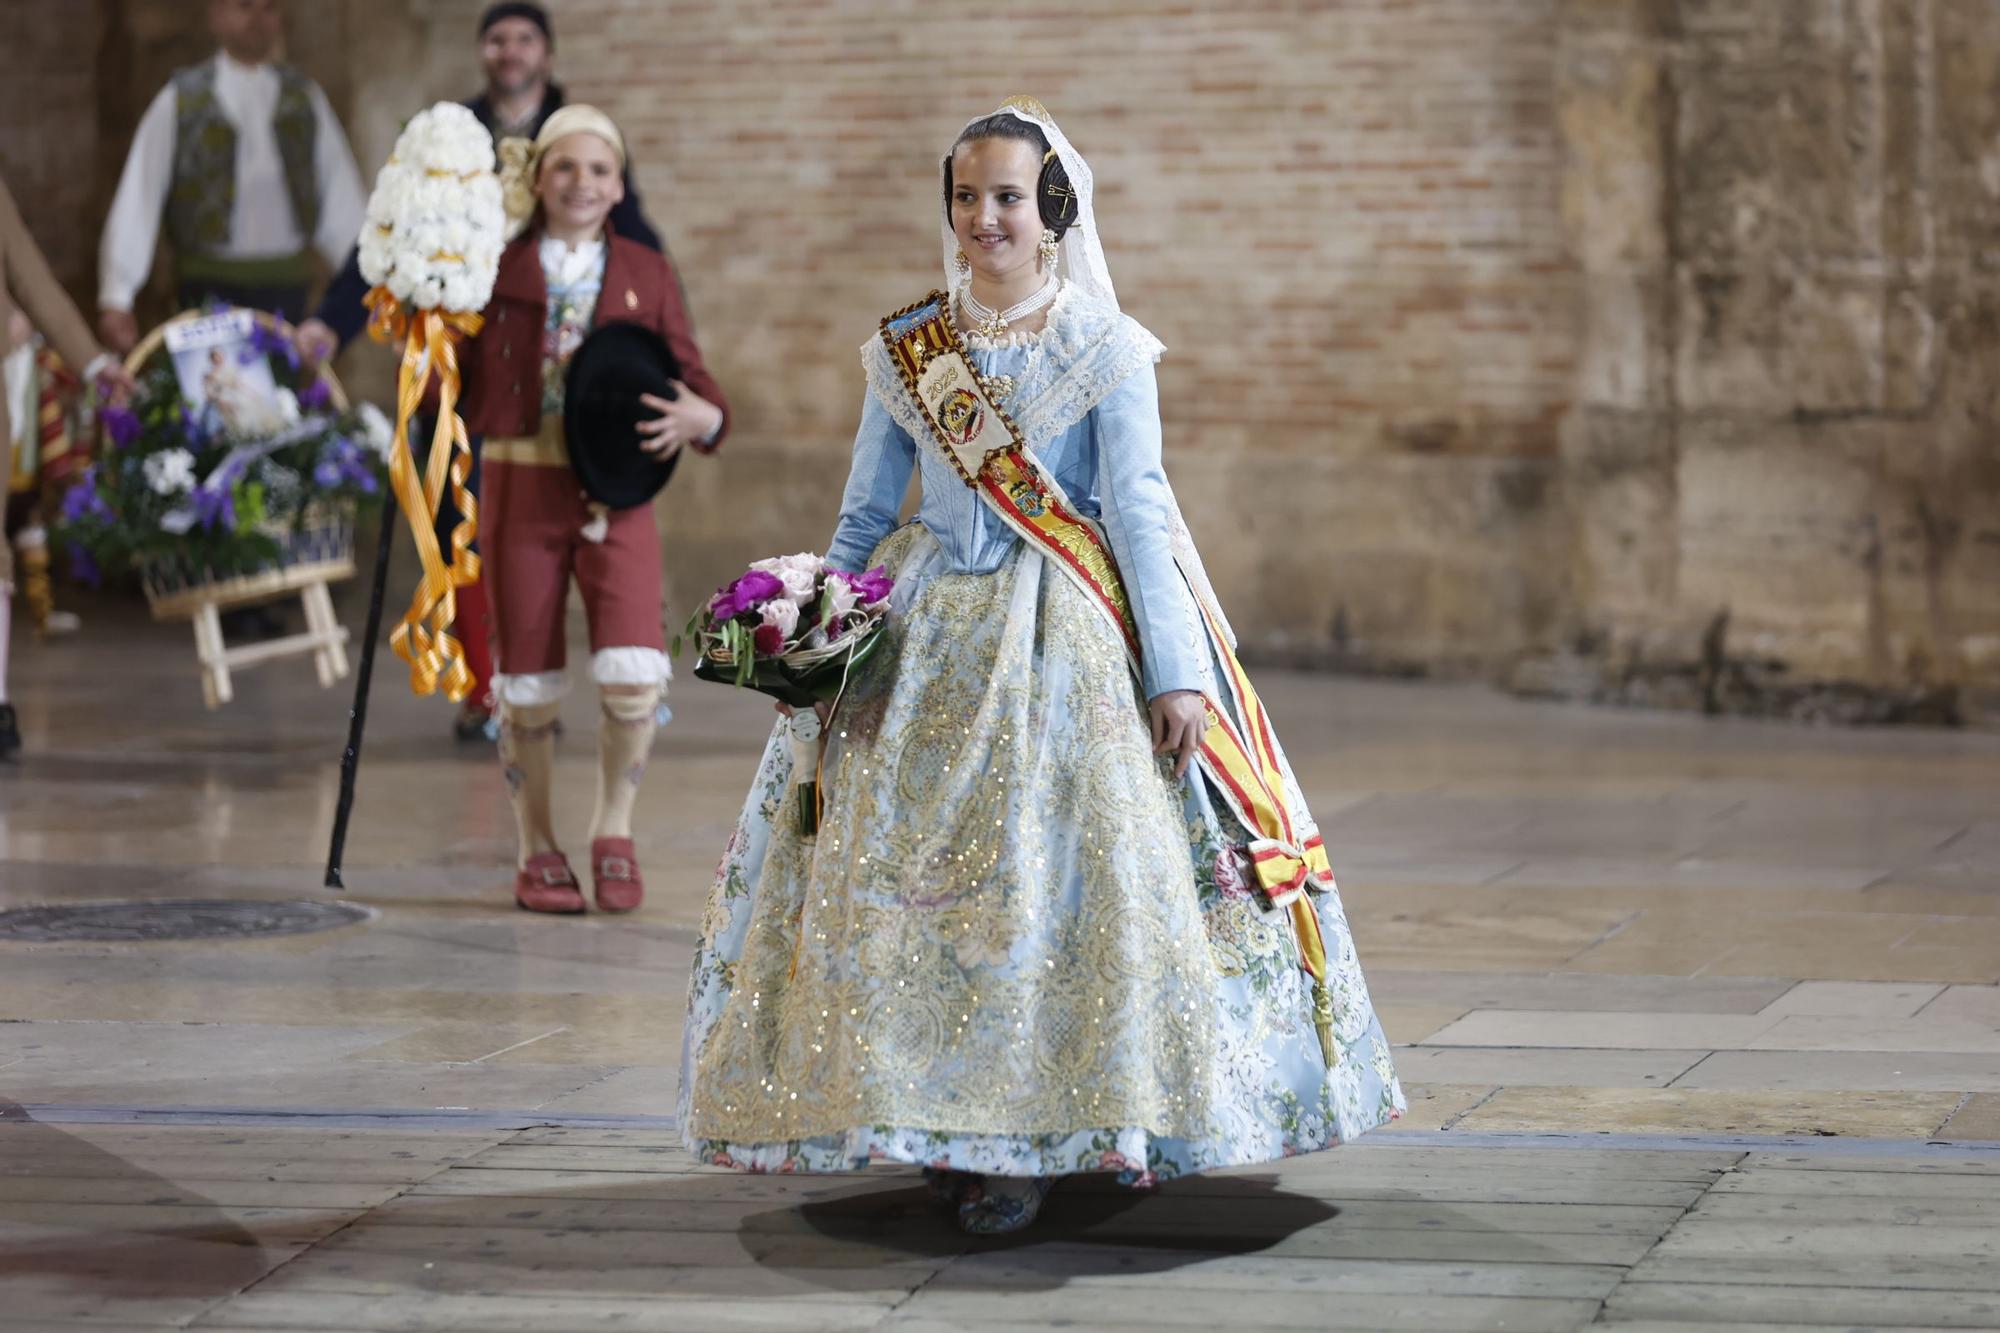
(1699, 1021)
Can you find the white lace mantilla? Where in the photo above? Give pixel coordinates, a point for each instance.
(1082, 353)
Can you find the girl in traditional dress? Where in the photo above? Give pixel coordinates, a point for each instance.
(1065, 910)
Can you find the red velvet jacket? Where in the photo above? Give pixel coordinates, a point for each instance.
(502, 366)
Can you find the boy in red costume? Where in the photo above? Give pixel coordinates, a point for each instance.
(565, 273)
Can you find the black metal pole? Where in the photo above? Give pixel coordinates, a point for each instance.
(357, 716)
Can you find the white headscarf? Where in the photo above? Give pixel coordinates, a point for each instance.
(1084, 269)
(1082, 256)
(521, 159)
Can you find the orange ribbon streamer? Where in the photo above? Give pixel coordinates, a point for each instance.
(430, 348)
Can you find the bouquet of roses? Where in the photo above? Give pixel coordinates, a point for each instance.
(793, 628)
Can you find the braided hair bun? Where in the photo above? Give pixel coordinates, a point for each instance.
(1054, 198)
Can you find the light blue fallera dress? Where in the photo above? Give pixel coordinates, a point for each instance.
(1017, 945)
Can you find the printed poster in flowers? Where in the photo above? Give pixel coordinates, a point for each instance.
(225, 376)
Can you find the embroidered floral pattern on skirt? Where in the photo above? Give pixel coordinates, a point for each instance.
(1018, 947)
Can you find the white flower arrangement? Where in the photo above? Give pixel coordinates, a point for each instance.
(435, 226)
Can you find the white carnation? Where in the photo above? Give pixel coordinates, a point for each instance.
(375, 428)
(435, 226)
(170, 472)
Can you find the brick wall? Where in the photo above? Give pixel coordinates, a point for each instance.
(1343, 219)
(1492, 324)
(48, 126)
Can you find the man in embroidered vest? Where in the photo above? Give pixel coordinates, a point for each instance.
(244, 163)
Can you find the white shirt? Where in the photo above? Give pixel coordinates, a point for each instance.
(260, 223)
(564, 265)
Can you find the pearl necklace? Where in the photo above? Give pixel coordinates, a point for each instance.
(991, 323)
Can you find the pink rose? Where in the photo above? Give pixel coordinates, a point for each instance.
(1229, 877)
(799, 574)
(783, 613)
(840, 596)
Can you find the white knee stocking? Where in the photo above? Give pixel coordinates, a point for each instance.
(624, 740)
(528, 754)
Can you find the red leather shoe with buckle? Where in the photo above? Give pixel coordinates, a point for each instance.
(547, 884)
(614, 869)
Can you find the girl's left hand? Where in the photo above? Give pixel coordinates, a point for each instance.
(1179, 722)
(682, 420)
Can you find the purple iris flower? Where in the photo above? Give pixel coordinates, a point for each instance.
(83, 502)
(328, 473)
(121, 424)
(215, 503)
(754, 587)
(316, 395)
(268, 342)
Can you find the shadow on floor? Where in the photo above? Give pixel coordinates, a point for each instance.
(86, 1234)
(1133, 1231)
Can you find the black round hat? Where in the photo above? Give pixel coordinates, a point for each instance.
(601, 412)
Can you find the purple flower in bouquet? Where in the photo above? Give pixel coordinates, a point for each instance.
(215, 502)
(268, 342)
(752, 589)
(121, 424)
(344, 463)
(83, 502)
(82, 568)
(769, 640)
(316, 396)
(872, 587)
(191, 426)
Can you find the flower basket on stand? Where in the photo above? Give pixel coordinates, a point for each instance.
(229, 482)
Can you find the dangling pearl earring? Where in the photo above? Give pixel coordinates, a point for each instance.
(1050, 251)
(961, 263)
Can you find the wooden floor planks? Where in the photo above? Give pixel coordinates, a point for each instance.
(303, 1230)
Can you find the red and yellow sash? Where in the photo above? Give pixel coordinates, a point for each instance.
(987, 450)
